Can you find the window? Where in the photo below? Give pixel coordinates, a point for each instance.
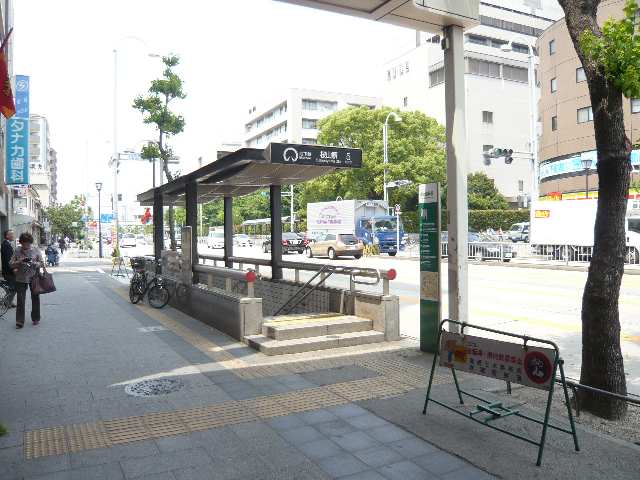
(309, 123)
(436, 77)
(554, 123)
(585, 114)
(487, 117)
(580, 76)
(482, 67)
(510, 26)
(552, 47)
(477, 39)
(388, 75)
(318, 105)
(517, 74)
(519, 48)
(521, 185)
(635, 105)
(309, 141)
(405, 101)
(554, 85)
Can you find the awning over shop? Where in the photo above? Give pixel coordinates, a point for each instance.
(249, 169)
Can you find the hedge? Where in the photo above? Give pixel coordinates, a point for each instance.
(478, 219)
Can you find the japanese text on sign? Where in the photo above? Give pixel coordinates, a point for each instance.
(533, 366)
(17, 142)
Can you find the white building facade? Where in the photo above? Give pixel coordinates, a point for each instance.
(498, 112)
(39, 164)
(293, 116)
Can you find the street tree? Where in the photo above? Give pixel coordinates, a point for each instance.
(483, 194)
(610, 56)
(66, 219)
(155, 110)
(416, 153)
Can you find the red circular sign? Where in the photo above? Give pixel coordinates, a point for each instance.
(537, 367)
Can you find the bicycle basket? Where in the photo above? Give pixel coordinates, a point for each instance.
(137, 263)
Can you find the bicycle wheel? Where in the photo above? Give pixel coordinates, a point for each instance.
(158, 296)
(4, 300)
(134, 293)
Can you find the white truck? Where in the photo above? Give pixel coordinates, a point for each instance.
(563, 229)
(357, 217)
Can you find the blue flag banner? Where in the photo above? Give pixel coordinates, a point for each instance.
(17, 142)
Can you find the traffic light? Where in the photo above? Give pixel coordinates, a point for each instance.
(506, 153)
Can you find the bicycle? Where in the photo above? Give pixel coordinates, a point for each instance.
(155, 289)
(6, 294)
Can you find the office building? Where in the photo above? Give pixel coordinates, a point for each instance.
(39, 165)
(567, 118)
(293, 116)
(498, 93)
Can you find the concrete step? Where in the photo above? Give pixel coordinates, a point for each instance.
(289, 327)
(270, 346)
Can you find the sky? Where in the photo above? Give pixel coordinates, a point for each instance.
(233, 54)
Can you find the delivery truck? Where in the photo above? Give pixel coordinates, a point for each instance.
(563, 229)
(368, 220)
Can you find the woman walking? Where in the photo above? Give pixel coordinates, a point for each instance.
(25, 263)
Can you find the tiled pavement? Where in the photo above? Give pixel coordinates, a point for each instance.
(64, 373)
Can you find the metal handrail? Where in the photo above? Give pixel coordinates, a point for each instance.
(230, 273)
(298, 301)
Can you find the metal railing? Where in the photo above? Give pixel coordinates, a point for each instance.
(357, 276)
(506, 251)
(230, 275)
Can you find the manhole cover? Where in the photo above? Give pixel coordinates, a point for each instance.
(149, 388)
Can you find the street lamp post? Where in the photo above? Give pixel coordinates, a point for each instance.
(116, 160)
(385, 141)
(533, 108)
(586, 164)
(99, 187)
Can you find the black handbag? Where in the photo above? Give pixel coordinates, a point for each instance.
(42, 283)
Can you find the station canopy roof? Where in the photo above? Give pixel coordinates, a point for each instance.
(423, 15)
(249, 169)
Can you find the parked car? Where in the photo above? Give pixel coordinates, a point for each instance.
(128, 240)
(484, 247)
(335, 245)
(488, 247)
(242, 240)
(291, 242)
(215, 240)
(519, 232)
(140, 240)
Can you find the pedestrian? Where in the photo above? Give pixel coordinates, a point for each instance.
(26, 262)
(61, 244)
(6, 252)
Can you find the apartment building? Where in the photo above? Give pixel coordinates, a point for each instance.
(498, 92)
(293, 116)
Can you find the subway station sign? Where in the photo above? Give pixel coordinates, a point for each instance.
(317, 155)
(429, 204)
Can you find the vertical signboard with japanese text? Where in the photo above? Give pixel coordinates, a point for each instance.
(429, 204)
(17, 141)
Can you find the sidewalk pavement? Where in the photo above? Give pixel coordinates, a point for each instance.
(235, 413)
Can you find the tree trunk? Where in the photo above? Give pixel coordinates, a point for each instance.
(602, 362)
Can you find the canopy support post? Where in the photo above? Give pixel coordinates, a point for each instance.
(228, 231)
(191, 201)
(158, 226)
(275, 201)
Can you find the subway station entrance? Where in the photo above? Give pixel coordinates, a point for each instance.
(275, 306)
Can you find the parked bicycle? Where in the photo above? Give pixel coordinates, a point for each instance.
(7, 293)
(155, 289)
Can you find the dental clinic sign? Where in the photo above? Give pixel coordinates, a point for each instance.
(17, 142)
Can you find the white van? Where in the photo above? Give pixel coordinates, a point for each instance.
(215, 240)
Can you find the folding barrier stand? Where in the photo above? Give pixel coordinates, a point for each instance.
(531, 366)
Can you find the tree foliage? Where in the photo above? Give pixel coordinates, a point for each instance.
(616, 50)
(155, 110)
(62, 217)
(483, 194)
(416, 153)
